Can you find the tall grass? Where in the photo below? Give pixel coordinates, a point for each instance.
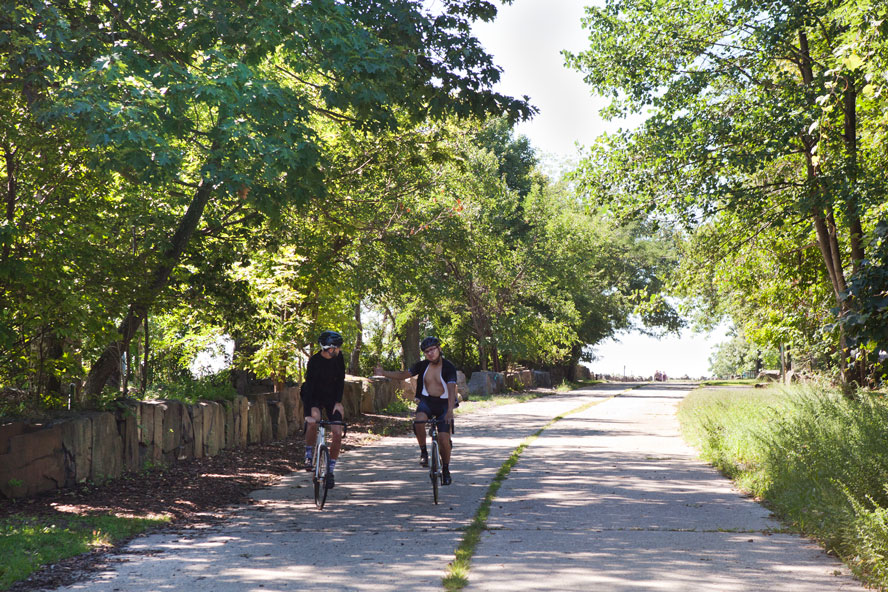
(819, 460)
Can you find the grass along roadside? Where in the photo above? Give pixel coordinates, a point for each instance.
(457, 576)
(732, 382)
(27, 542)
(818, 460)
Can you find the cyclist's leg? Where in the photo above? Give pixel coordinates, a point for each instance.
(422, 414)
(419, 429)
(311, 432)
(444, 446)
(311, 426)
(336, 430)
(439, 409)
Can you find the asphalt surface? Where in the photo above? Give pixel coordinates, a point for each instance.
(608, 498)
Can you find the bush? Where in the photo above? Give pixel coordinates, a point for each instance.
(401, 404)
(215, 387)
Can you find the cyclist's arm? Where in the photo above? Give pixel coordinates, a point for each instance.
(393, 374)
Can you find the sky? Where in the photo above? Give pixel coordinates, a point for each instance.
(526, 40)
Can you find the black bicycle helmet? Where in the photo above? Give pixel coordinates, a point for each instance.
(429, 342)
(329, 339)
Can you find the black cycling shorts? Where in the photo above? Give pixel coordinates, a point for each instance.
(434, 406)
(324, 406)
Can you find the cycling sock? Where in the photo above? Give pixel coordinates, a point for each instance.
(423, 449)
(309, 452)
(331, 464)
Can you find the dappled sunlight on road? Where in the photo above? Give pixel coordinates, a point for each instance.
(607, 499)
(612, 499)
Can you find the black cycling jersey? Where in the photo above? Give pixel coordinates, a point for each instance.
(448, 375)
(324, 381)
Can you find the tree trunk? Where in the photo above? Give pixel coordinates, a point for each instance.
(782, 363)
(823, 215)
(410, 343)
(826, 242)
(852, 211)
(494, 354)
(354, 362)
(109, 360)
(144, 369)
(51, 349)
(11, 197)
(240, 379)
(126, 372)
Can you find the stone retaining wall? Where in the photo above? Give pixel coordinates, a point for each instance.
(97, 446)
(488, 383)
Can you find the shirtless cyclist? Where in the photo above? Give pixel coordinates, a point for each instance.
(436, 395)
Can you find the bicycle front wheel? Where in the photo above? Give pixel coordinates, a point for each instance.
(435, 469)
(320, 480)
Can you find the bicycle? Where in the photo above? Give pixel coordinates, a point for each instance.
(319, 475)
(436, 474)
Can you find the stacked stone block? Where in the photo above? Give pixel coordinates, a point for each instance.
(96, 446)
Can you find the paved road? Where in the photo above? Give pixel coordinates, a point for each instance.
(606, 499)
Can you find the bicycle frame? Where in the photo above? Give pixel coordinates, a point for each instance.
(435, 473)
(321, 457)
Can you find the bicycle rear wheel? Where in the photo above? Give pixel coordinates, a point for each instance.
(320, 479)
(435, 469)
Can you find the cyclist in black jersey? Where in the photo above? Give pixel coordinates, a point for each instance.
(322, 389)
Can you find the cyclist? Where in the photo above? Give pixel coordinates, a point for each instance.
(436, 395)
(322, 389)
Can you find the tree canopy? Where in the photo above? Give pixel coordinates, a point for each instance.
(194, 120)
(763, 143)
(184, 172)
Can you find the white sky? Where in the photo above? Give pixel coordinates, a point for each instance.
(526, 40)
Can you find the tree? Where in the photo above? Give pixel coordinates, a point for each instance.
(221, 110)
(738, 356)
(757, 112)
(509, 276)
(868, 292)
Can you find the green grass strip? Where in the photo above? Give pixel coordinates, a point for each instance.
(457, 576)
(28, 542)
